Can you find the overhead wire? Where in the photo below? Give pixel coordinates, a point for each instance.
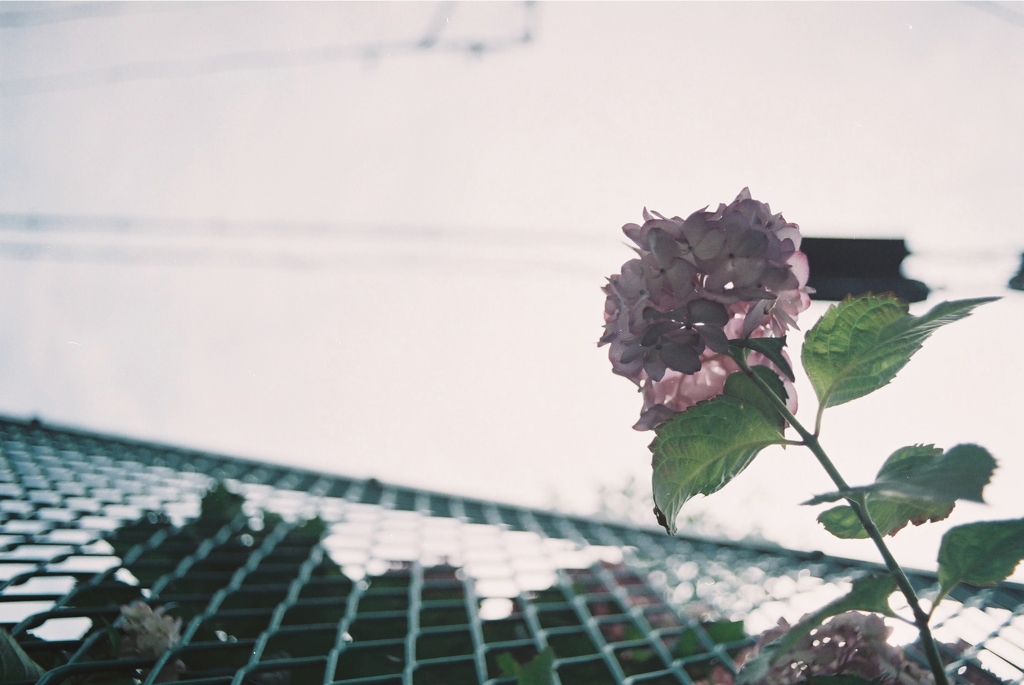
(39, 223)
(317, 246)
(257, 60)
(300, 246)
(76, 11)
(1000, 10)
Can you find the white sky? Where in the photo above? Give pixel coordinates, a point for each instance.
(438, 328)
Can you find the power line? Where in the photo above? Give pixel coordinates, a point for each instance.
(297, 246)
(260, 60)
(1001, 10)
(140, 226)
(59, 14)
(317, 246)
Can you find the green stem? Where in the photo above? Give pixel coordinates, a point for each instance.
(859, 508)
(817, 420)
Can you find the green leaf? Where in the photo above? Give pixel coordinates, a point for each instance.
(982, 553)
(15, 664)
(113, 636)
(860, 345)
(867, 594)
(537, 672)
(220, 505)
(740, 386)
(924, 472)
(719, 632)
(315, 527)
(916, 484)
(508, 665)
(842, 522)
(770, 348)
(890, 516)
(690, 644)
(701, 449)
(870, 593)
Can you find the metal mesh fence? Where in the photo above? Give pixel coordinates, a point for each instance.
(323, 579)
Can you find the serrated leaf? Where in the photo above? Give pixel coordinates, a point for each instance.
(983, 553)
(867, 594)
(722, 632)
(870, 593)
(701, 449)
(690, 644)
(889, 516)
(917, 484)
(220, 505)
(740, 386)
(15, 664)
(772, 349)
(842, 522)
(860, 345)
(719, 632)
(924, 472)
(539, 670)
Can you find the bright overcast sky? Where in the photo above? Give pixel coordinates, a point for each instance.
(424, 309)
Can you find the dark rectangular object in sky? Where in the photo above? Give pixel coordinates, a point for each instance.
(852, 266)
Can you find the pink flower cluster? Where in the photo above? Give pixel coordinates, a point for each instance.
(848, 644)
(697, 283)
(148, 634)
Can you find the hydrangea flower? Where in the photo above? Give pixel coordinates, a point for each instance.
(148, 634)
(848, 644)
(697, 283)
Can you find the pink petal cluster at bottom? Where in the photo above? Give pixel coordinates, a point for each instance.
(853, 643)
(677, 392)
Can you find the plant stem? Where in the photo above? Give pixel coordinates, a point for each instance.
(859, 508)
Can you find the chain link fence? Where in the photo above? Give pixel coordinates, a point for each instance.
(302, 577)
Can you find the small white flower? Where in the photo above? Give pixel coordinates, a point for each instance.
(148, 633)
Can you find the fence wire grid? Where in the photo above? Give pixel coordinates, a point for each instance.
(324, 579)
